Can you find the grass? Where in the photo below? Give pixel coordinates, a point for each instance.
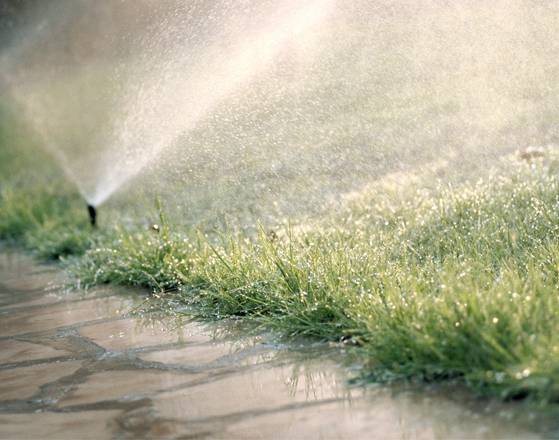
(47, 222)
(458, 284)
(37, 209)
(462, 286)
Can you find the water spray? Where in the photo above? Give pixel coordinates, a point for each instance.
(92, 214)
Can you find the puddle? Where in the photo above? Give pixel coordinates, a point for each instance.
(75, 365)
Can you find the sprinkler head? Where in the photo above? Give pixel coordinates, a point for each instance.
(92, 215)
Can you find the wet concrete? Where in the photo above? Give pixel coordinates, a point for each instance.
(77, 365)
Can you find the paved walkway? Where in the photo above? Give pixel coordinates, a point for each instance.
(76, 366)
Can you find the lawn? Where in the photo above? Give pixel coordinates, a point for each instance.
(364, 187)
(451, 283)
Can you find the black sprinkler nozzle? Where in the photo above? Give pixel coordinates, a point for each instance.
(92, 215)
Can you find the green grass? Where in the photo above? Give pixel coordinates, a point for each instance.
(452, 283)
(457, 284)
(37, 209)
(48, 222)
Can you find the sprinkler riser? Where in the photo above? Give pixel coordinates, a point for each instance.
(92, 215)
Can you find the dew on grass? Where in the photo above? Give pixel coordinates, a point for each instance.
(369, 149)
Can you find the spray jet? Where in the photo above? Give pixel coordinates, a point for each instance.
(92, 215)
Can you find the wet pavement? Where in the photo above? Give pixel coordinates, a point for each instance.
(77, 365)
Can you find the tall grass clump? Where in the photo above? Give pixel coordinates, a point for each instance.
(461, 285)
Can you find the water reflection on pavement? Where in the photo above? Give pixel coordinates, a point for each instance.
(77, 365)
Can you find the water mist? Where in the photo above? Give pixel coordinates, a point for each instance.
(107, 106)
(266, 110)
